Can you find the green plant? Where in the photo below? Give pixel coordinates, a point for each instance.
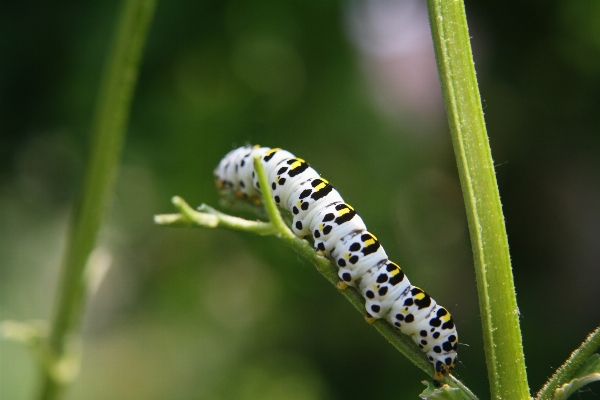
(500, 316)
(57, 346)
(58, 349)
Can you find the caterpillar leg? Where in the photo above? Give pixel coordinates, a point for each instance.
(369, 319)
(322, 254)
(341, 285)
(442, 369)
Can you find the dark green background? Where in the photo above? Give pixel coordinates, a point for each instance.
(197, 314)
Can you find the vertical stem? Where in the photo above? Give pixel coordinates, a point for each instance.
(108, 132)
(497, 299)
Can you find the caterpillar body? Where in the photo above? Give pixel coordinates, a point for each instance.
(340, 234)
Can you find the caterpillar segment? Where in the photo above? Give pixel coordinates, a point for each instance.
(340, 234)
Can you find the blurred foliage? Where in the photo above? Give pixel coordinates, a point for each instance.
(218, 315)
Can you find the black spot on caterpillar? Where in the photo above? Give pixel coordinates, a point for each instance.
(340, 233)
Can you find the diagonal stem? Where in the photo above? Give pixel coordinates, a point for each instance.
(565, 373)
(208, 217)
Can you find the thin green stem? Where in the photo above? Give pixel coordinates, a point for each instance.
(497, 299)
(270, 206)
(566, 372)
(208, 217)
(108, 133)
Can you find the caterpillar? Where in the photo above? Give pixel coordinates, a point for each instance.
(341, 235)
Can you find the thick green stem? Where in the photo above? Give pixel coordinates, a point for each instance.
(497, 299)
(108, 133)
(565, 373)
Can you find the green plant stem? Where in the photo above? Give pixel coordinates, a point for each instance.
(270, 206)
(108, 132)
(207, 217)
(497, 299)
(566, 372)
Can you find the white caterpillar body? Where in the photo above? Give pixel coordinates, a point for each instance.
(319, 210)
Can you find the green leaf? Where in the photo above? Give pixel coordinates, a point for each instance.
(588, 373)
(443, 392)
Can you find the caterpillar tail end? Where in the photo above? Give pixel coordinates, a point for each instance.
(341, 285)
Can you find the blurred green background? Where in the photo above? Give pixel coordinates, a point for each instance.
(352, 88)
